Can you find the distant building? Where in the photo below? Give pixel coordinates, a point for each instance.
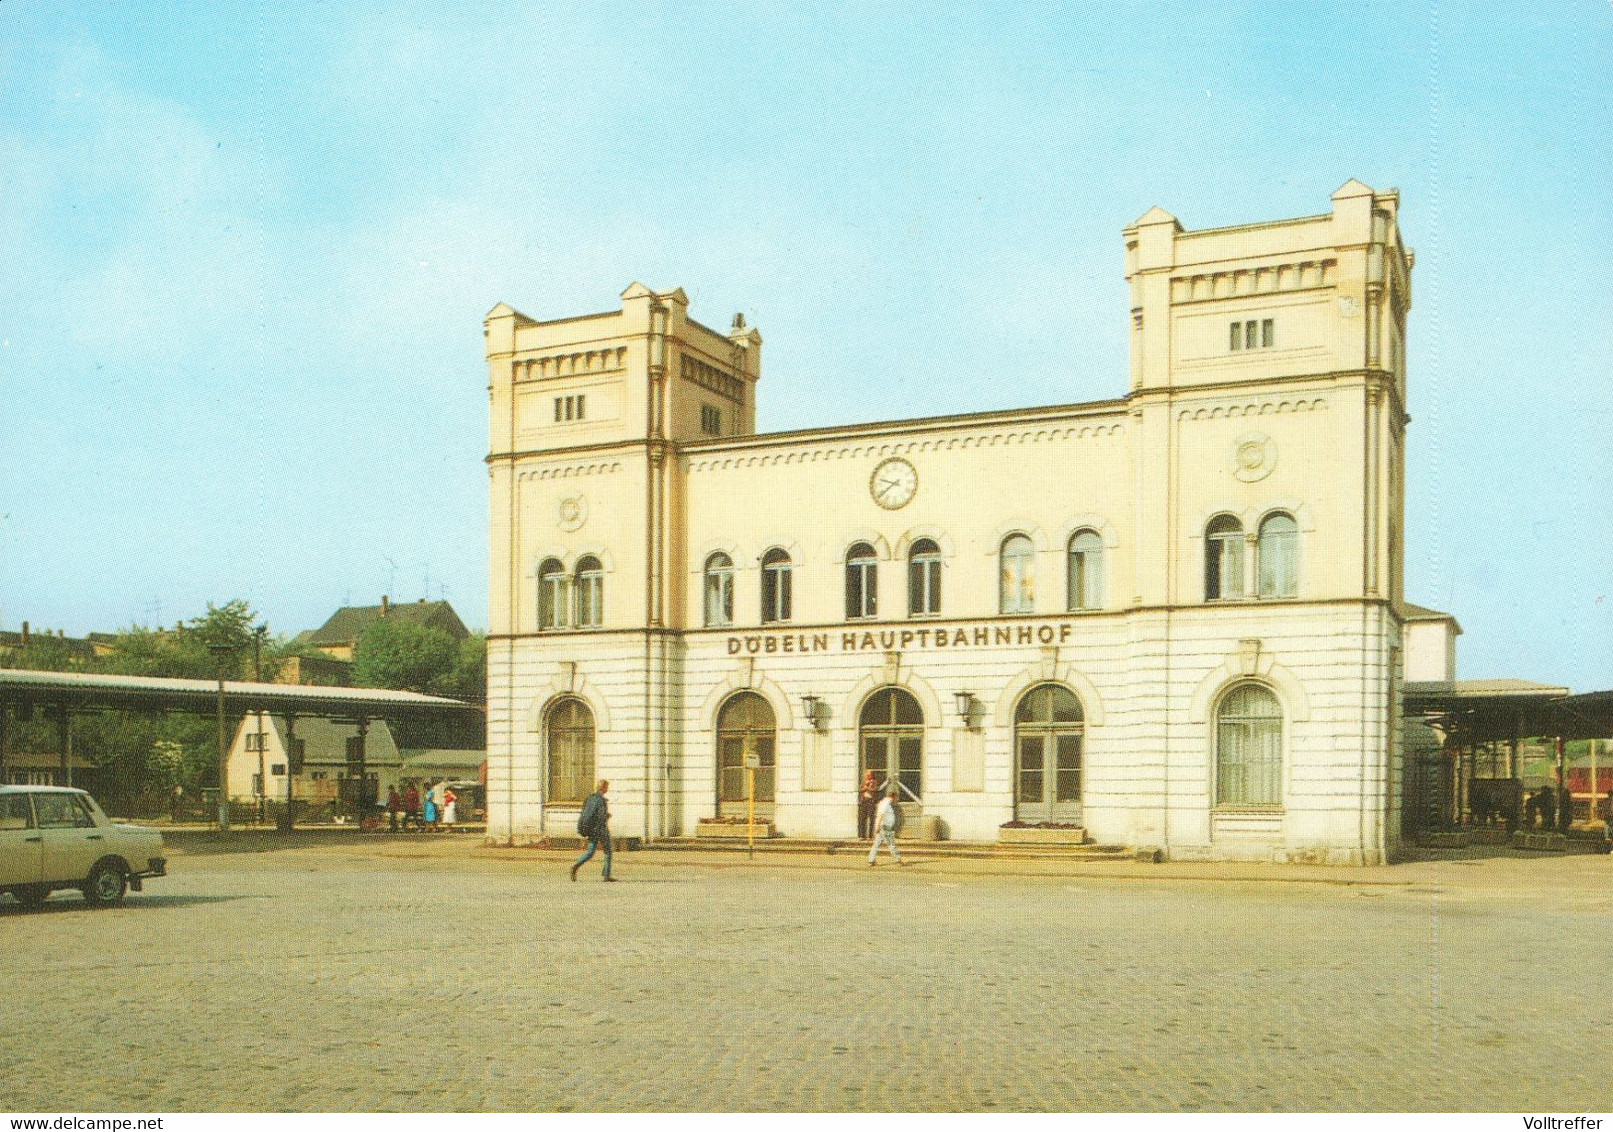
(322, 670)
(393, 755)
(339, 636)
(79, 649)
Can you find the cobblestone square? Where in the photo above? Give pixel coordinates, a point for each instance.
(382, 974)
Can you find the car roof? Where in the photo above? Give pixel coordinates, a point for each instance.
(17, 788)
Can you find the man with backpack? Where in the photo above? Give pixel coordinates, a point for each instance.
(887, 820)
(594, 824)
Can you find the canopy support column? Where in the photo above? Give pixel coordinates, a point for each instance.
(293, 769)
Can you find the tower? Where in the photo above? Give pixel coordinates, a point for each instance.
(586, 415)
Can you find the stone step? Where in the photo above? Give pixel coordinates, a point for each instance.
(980, 850)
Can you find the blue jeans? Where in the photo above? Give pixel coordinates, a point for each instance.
(603, 840)
(884, 836)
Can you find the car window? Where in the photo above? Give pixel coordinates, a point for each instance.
(15, 812)
(61, 811)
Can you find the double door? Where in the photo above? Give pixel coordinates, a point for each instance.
(733, 798)
(897, 759)
(1048, 776)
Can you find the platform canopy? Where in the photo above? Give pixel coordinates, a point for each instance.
(85, 691)
(1484, 711)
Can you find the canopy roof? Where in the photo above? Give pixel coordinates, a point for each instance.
(1480, 711)
(82, 691)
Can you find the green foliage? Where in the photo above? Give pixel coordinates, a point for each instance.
(145, 753)
(42, 654)
(395, 652)
(189, 650)
(467, 680)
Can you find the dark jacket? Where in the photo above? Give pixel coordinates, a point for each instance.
(594, 821)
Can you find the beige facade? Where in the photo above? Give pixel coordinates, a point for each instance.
(1172, 619)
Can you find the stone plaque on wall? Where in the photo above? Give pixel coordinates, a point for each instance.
(816, 748)
(968, 760)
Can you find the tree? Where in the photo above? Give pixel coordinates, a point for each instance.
(395, 652)
(467, 680)
(187, 649)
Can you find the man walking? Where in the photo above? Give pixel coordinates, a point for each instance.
(887, 820)
(594, 824)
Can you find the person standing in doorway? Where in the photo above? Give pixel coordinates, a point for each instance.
(887, 820)
(594, 824)
(867, 801)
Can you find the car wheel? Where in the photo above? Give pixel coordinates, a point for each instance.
(106, 885)
(31, 895)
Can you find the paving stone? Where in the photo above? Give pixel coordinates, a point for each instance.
(370, 976)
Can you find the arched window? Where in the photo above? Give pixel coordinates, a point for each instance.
(1277, 553)
(571, 751)
(862, 582)
(554, 606)
(1223, 558)
(745, 724)
(891, 738)
(1047, 749)
(719, 590)
(590, 593)
(776, 571)
(1086, 571)
(1249, 748)
(923, 578)
(1018, 590)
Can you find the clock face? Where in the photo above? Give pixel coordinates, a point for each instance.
(893, 483)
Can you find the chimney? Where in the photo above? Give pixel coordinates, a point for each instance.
(386, 604)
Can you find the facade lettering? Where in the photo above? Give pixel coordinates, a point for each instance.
(975, 636)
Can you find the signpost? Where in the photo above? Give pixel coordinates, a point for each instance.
(752, 761)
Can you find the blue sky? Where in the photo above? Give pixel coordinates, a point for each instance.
(248, 248)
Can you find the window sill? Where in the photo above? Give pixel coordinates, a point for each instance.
(1275, 809)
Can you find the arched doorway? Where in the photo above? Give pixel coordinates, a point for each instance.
(571, 752)
(746, 723)
(891, 739)
(1047, 755)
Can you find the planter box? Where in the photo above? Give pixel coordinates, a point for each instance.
(1030, 835)
(733, 831)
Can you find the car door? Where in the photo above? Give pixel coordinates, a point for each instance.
(20, 842)
(72, 841)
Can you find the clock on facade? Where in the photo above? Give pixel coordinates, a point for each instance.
(893, 483)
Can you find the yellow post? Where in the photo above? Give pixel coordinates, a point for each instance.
(751, 759)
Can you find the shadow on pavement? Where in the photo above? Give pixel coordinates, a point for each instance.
(63, 903)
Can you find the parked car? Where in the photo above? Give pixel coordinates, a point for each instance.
(56, 837)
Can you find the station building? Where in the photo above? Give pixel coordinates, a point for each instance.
(1172, 620)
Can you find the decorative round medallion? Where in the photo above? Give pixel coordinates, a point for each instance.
(572, 512)
(1253, 457)
(893, 483)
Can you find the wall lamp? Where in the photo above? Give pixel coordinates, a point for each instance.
(966, 707)
(814, 711)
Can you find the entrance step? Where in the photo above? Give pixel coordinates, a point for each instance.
(911, 847)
